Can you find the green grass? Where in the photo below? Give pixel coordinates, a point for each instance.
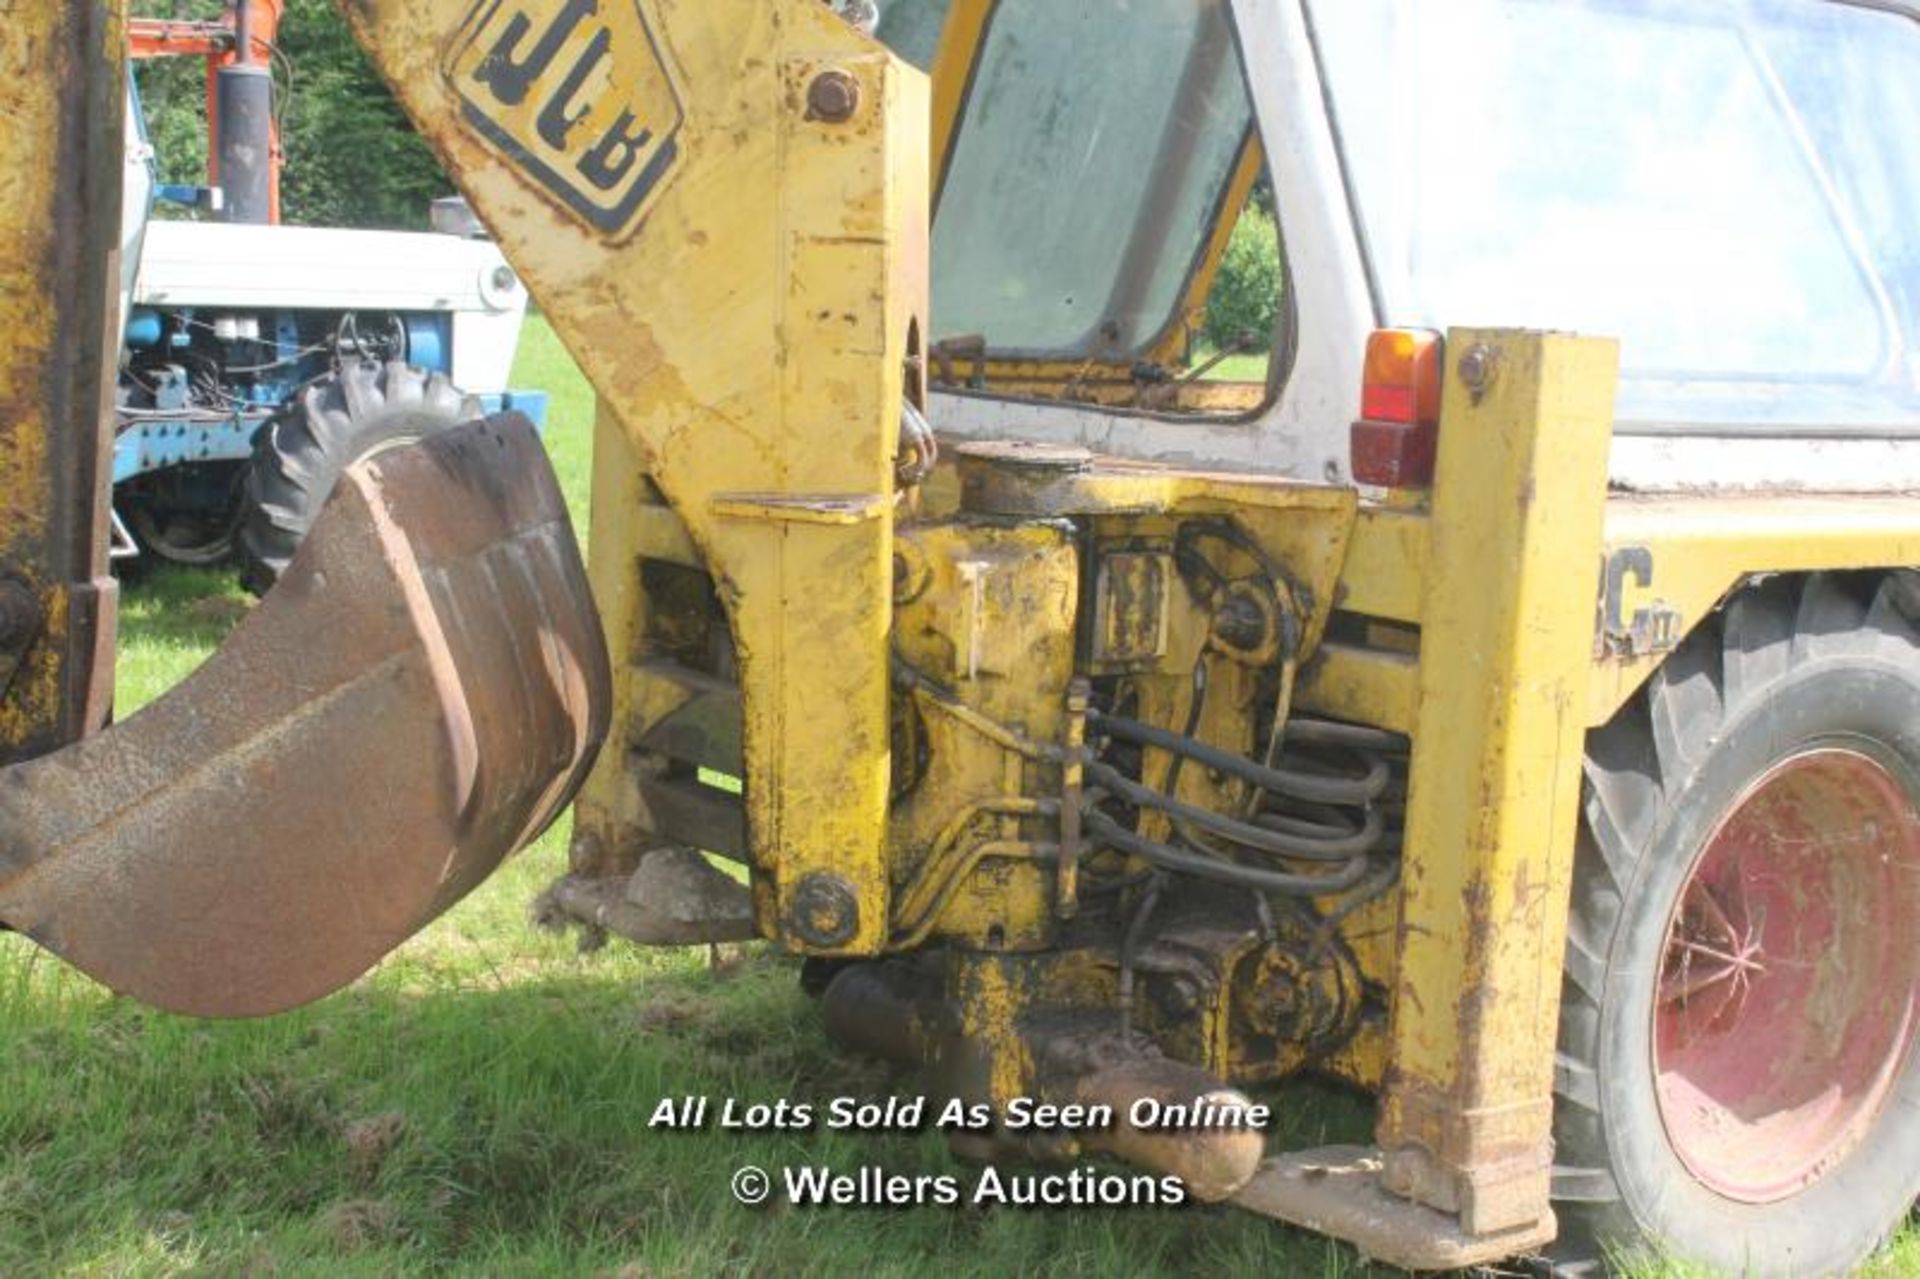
(1235, 368)
(478, 1104)
(544, 365)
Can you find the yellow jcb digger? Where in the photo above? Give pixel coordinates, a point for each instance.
(1521, 726)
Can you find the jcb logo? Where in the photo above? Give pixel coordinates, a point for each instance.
(576, 93)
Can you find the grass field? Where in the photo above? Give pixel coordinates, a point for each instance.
(1236, 368)
(478, 1104)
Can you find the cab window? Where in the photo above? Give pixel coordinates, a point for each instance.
(1088, 173)
(1730, 189)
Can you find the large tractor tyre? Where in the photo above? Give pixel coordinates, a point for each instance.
(359, 411)
(1735, 1082)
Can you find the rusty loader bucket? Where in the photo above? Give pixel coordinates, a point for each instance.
(419, 697)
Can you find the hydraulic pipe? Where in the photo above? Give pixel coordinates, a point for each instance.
(243, 142)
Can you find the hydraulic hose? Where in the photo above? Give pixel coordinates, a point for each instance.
(1280, 843)
(1307, 786)
(1198, 864)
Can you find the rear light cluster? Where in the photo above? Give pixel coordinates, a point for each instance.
(1399, 427)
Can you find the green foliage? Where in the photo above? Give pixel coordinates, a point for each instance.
(173, 93)
(1246, 294)
(352, 159)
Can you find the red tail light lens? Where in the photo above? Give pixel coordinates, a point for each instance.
(1395, 440)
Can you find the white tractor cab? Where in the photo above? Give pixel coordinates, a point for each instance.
(1701, 195)
(259, 359)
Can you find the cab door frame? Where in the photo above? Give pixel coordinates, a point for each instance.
(1303, 430)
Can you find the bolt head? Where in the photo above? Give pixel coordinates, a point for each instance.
(824, 911)
(1478, 364)
(833, 97)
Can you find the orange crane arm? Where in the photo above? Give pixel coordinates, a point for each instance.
(220, 43)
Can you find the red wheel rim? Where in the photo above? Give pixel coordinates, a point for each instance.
(1789, 982)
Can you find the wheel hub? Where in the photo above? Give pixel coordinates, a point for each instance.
(1788, 983)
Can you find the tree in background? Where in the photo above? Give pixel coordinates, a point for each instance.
(1245, 299)
(352, 158)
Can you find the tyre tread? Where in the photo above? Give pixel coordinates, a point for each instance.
(304, 448)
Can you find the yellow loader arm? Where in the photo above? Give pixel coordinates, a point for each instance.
(723, 210)
(420, 696)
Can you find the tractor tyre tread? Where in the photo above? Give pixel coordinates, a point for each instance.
(330, 423)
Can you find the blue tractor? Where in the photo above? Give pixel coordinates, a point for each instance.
(259, 359)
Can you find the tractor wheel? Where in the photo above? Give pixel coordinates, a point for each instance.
(363, 409)
(1735, 1082)
(195, 539)
(172, 524)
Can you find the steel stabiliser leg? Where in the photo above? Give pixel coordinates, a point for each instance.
(1462, 1172)
(1506, 642)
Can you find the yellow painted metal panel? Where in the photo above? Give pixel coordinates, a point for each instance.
(1386, 570)
(989, 614)
(1364, 685)
(1506, 642)
(724, 213)
(1699, 547)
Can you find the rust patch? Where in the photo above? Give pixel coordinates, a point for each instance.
(60, 94)
(268, 830)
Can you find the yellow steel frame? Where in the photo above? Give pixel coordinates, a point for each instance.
(751, 365)
(1519, 495)
(1505, 613)
(989, 612)
(755, 356)
(1698, 549)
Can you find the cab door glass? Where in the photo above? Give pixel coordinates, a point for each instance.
(1097, 145)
